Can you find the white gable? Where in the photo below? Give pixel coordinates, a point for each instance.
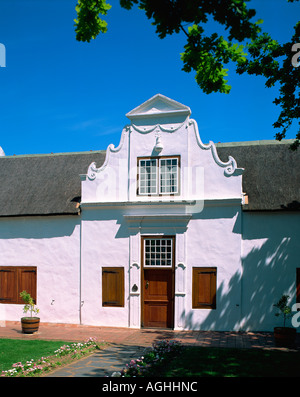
(158, 106)
(161, 127)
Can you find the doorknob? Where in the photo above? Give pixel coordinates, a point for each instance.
(147, 284)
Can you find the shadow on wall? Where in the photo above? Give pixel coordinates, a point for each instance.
(271, 255)
(36, 227)
(127, 227)
(269, 272)
(225, 317)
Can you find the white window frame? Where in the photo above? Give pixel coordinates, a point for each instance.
(160, 174)
(140, 177)
(158, 255)
(158, 166)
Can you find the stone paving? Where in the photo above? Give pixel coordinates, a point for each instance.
(102, 363)
(125, 344)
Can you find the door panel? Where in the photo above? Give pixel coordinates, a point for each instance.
(158, 298)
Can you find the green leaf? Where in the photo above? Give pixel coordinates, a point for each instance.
(88, 24)
(259, 21)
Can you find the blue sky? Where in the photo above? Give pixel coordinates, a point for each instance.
(60, 95)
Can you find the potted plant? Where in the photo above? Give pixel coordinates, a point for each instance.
(29, 324)
(284, 336)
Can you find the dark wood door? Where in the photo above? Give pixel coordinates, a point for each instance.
(158, 298)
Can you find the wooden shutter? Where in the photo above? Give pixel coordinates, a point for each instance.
(27, 282)
(15, 279)
(113, 286)
(204, 288)
(8, 285)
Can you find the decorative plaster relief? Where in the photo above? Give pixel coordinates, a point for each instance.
(230, 166)
(93, 170)
(180, 278)
(158, 127)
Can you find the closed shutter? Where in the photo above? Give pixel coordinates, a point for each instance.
(8, 283)
(27, 282)
(14, 280)
(113, 286)
(204, 288)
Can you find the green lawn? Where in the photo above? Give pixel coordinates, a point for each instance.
(16, 350)
(225, 362)
(192, 361)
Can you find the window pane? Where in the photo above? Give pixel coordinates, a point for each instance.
(158, 176)
(148, 176)
(168, 175)
(160, 251)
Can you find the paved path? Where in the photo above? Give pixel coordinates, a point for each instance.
(126, 344)
(102, 363)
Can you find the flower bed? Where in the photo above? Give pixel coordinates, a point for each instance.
(149, 364)
(61, 356)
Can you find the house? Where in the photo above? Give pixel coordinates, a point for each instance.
(161, 231)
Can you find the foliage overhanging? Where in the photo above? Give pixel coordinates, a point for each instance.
(252, 50)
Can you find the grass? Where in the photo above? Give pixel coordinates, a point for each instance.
(16, 350)
(226, 362)
(165, 360)
(34, 357)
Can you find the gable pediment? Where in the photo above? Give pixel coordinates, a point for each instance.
(159, 106)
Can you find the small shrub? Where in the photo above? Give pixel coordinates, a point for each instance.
(150, 363)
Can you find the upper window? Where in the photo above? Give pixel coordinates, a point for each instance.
(158, 176)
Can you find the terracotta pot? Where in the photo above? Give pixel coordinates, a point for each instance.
(30, 324)
(285, 336)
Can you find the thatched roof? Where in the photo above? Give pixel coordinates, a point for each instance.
(50, 184)
(43, 184)
(271, 176)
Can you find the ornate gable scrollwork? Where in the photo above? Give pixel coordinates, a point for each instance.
(154, 108)
(93, 170)
(158, 127)
(230, 166)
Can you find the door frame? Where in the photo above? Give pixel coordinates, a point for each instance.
(172, 269)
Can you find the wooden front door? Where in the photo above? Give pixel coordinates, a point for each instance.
(158, 284)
